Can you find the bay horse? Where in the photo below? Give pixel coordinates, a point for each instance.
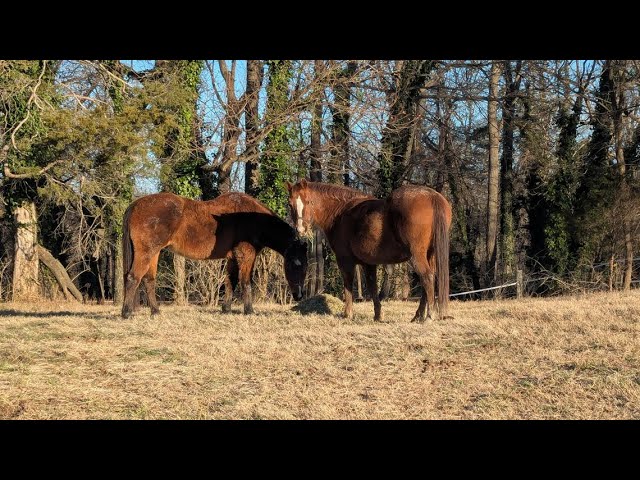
(202, 230)
(411, 224)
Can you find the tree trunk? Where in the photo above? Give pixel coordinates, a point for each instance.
(387, 278)
(358, 282)
(231, 128)
(66, 285)
(118, 280)
(618, 107)
(108, 261)
(254, 82)
(508, 222)
(25, 261)
(179, 268)
(319, 255)
(341, 113)
(628, 269)
(494, 172)
(315, 175)
(403, 101)
(405, 289)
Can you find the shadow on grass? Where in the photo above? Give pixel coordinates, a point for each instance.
(61, 313)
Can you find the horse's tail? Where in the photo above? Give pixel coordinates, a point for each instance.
(441, 250)
(127, 245)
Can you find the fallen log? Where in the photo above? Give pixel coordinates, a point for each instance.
(68, 288)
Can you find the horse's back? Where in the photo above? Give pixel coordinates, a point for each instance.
(237, 202)
(416, 204)
(158, 212)
(187, 226)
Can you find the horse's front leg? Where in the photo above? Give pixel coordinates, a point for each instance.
(230, 282)
(245, 266)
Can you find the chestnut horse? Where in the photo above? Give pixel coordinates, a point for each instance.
(203, 230)
(411, 224)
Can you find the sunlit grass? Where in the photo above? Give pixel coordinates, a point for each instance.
(570, 357)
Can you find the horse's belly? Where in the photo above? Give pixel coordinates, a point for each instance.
(378, 250)
(381, 257)
(202, 250)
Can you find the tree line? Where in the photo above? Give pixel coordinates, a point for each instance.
(539, 159)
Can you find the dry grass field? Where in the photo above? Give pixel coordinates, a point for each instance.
(561, 358)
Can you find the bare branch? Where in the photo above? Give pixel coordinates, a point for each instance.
(8, 174)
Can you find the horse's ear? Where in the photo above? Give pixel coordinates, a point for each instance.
(289, 186)
(303, 183)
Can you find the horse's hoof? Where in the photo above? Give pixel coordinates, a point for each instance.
(417, 319)
(226, 308)
(155, 312)
(249, 311)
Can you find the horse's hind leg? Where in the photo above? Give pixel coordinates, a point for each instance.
(230, 282)
(137, 300)
(431, 259)
(372, 284)
(347, 267)
(132, 280)
(150, 284)
(419, 316)
(425, 272)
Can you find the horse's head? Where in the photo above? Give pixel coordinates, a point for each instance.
(301, 206)
(295, 267)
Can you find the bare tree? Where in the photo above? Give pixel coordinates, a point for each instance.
(493, 169)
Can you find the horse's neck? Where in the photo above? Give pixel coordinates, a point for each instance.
(276, 235)
(327, 209)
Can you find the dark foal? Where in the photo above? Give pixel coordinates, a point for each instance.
(411, 224)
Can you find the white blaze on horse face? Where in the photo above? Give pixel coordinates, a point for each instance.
(297, 263)
(300, 208)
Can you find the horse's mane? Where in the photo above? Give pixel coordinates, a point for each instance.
(338, 192)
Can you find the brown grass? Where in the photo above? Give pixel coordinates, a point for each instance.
(572, 357)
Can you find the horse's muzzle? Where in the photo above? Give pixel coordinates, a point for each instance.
(298, 294)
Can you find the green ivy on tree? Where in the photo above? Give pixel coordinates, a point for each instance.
(275, 161)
